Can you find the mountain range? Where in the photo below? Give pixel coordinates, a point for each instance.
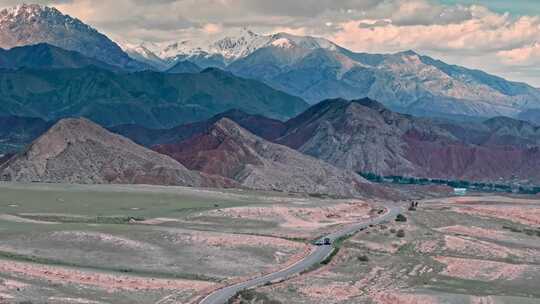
(206, 53)
(308, 67)
(148, 98)
(236, 112)
(79, 151)
(364, 136)
(317, 69)
(315, 152)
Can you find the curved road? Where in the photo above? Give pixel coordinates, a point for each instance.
(221, 296)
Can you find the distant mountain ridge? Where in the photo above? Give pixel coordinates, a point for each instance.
(204, 53)
(46, 56)
(312, 68)
(150, 99)
(264, 127)
(406, 82)
(222, 52)
(185, 67)
(317, 69)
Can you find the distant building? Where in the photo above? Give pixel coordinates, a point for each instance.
(460, 191)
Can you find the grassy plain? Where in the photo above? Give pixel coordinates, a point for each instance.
(128, 244)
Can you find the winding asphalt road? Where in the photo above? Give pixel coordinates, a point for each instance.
(221, 296)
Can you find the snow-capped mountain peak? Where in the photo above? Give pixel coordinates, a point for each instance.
(235, 47)
(31, 13)
(29, 24)
(229, 48)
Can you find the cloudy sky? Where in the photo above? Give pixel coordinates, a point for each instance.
(499, 36)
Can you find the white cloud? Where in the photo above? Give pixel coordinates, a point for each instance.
(421, 12)
(523, 56)
(485, 32)
(480, 41)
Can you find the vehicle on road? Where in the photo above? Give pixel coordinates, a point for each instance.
(323, 242)
(327, 241)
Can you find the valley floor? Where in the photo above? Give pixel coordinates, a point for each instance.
(146, 244)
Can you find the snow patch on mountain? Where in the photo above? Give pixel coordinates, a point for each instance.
(282, 43)
(144, 52)
(305, 42)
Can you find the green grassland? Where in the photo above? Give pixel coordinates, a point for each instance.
(116, 200)
(97, 228)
